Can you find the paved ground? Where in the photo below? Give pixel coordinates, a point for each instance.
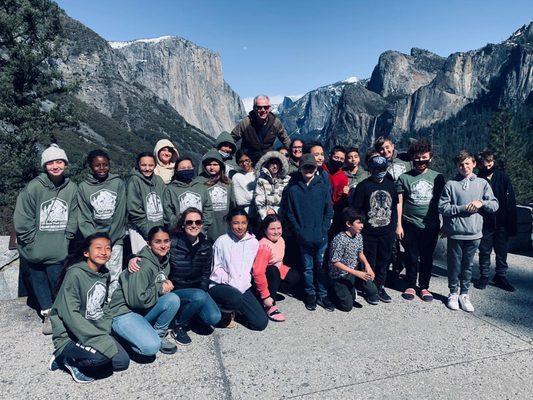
(402, 350)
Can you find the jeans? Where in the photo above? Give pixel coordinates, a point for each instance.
(275, 283)
(114, 265)
(313, 267)
(43, 280)
(419, 244)
(460, 257)
(196, 302)
(80, 356)
(144, 333)
(378, 252)
(499, 240)
(245, 304)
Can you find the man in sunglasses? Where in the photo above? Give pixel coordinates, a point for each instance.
(259, 130)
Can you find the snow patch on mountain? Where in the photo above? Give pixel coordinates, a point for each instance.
(275, 101)
(119, 45)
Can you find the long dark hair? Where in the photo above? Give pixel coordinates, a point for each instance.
(222, 177)
(78, 255)
(266, 222)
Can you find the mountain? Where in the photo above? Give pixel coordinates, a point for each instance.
(188, 76)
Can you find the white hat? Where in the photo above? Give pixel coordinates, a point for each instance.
(54, 152)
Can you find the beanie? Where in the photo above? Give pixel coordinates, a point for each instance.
(54, 152)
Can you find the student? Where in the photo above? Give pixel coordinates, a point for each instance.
(309, 210)
(376, 199)
(81, 320)
(102, 208)
(45, 221)
(284, 151)
(353, 170)
(498, 226)
(143, 306)
(144, 200)
(244, 182)
(296, 152)
(233, 257)
(346, 257)
(166, 155)
(219, 189)
(184, 192)
(226, 147)
(339, 181)
(461, 200)
(317, 151)
(269, 273)
(418, 226)
(272, 178)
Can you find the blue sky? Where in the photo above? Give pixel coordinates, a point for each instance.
(290, 47)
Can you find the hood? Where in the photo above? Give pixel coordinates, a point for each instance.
(47, 183)
(225, 137)
(166, 143)
(91, 180)
(147, 254)
(465, 181)
(85, 268)
(246, 237)
(213, 155)
(137, 173)
(259, 167)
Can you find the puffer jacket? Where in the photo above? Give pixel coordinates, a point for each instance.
(268, 191)
(190, 266)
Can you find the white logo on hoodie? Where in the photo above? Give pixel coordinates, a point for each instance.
(189, 199)
(104, 202)
(219, 198)
(154, 207)
(53, 215)
(95, 301)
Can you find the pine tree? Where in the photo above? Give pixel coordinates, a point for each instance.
(30, 34)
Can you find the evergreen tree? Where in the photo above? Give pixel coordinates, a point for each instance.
(29, 43)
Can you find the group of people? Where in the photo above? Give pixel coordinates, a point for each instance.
(179, 246)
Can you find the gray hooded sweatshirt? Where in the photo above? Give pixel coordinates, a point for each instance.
(459, 224)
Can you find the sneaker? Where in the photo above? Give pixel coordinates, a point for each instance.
(453, 301)
(464, 302)
(47, 325)
(77, 375)
(503, 283)
(374, 300)
(383, 296)
(181, 336)
(54, 364)
(167, 347)
(310, 302)
(481, 283)
(326, 303)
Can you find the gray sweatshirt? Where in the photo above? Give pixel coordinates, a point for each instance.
(459, 224)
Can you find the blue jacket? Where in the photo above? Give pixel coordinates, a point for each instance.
(309, 209)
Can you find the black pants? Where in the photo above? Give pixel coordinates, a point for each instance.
(85, 357)
(244, 304)
(344, 290)
(378, 252)
(419, 244)
(275, 283)
(499, 240)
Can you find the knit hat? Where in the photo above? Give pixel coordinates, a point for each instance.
(308, 160)
(54, 152)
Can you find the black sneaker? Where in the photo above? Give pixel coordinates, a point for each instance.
(503, 283)
(383, 296)
(54, 364)
(310, 302)
(326, 303)
(373, 300)
(77, 375)
(181, 336)
(481, 283)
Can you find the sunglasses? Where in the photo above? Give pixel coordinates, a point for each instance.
(191, 222)
(262, 107)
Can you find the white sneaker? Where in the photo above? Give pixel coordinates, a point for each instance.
(464, 301)
(453, 301)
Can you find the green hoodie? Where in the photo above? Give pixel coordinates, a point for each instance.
(231, 164)
(140, 290)
(180, 195)
(145, 202)
(45, 220)
(354, 179)
(102, 207)
(80, 312)
(222, 197)
(397, 166)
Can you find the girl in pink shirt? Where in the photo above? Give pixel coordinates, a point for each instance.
(269, 273)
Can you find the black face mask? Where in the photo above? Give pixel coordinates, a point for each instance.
(185, 175)
(335, 165)
(488, 171)
(420, 163)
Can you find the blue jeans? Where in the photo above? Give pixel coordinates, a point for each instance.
(460, 256)
(313, 265)
(144, 333)
(196, 302)
(43, 280)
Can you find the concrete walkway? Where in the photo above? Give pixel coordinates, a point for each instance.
(396, 351)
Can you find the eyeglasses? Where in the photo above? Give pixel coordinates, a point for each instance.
(262, 107)
(245, 161)
(191, 222)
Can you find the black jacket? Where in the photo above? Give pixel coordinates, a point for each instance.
(505, 216)
(190, 266)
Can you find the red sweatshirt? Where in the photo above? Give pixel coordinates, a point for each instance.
(338, 181)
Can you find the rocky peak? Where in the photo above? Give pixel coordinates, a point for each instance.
(524, 35)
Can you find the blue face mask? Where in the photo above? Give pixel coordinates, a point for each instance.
(224, 154)
(185, 175)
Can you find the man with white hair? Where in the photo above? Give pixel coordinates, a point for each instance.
(259, 130)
